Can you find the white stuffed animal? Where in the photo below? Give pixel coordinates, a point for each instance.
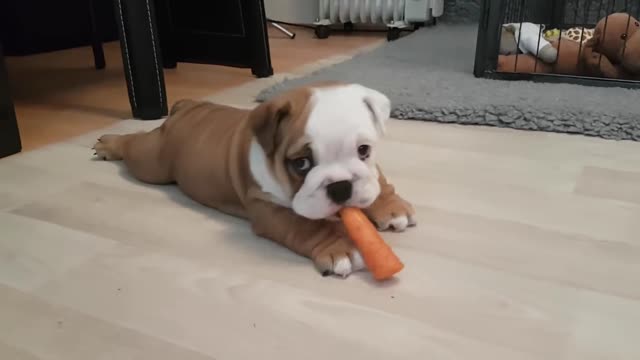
(532, 41)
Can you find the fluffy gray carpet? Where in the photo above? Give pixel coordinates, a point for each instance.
(428, 76)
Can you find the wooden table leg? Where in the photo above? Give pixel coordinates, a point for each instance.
(9, 134)
(142, 58)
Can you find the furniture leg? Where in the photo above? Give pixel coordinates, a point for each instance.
(142, 58)
(96, 41)
(9, 135)
(261, 67)
(166, 33)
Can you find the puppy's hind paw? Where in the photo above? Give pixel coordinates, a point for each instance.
(108, 147)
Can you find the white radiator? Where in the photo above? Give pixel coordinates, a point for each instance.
(393, 13)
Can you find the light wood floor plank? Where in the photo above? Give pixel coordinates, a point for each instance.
(42, 330)
(32, 252)
(10, 352)
(566, 213)
(547, 147)
(450, 295)
(439, 307)
(527, 248)
(610, 184)
(446, 164)
(21, 183)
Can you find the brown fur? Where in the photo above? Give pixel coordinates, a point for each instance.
(297, 151)
(525, 63)
(204, 148)
(569, 61)
(614, 49)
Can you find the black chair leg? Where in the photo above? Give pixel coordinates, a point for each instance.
(96, 41)
(261, 67)
(166, 33)
(9, 135)
(142, 58)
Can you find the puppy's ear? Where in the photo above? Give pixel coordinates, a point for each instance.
(379, 105)
(266, 120)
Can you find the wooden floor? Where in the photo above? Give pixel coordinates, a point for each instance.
(527, 248)
(59, 95)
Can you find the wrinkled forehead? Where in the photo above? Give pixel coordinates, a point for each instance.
(339, 119)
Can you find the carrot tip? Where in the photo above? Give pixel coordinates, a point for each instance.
(378, 256)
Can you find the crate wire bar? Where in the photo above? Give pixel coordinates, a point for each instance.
(560, 16)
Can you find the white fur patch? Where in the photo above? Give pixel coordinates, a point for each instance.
(398, 224)
(344, 266)
(341, 119)
(357, 263)
(264, 177)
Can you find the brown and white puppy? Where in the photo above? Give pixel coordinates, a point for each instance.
(287, 166)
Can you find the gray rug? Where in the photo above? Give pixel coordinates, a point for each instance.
(428, 76)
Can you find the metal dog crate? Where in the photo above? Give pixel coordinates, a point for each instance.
(550, 14)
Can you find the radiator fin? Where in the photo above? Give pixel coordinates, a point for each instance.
(379, 11)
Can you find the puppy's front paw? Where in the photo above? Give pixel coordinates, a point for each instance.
(340, 257)
(392, 213)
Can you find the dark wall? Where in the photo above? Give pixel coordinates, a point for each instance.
(33, 26)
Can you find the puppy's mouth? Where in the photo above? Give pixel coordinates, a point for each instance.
(336, 216)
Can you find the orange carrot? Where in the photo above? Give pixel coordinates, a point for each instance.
(381, 261)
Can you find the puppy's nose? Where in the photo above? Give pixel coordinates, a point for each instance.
(340, 191)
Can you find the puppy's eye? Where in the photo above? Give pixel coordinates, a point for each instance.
(301, 165)
(623, 36)
(364, 151)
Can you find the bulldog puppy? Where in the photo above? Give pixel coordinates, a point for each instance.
(288, 166)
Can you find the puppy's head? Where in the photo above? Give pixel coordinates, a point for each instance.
(313, 149)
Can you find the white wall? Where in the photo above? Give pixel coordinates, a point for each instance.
(293, 11)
